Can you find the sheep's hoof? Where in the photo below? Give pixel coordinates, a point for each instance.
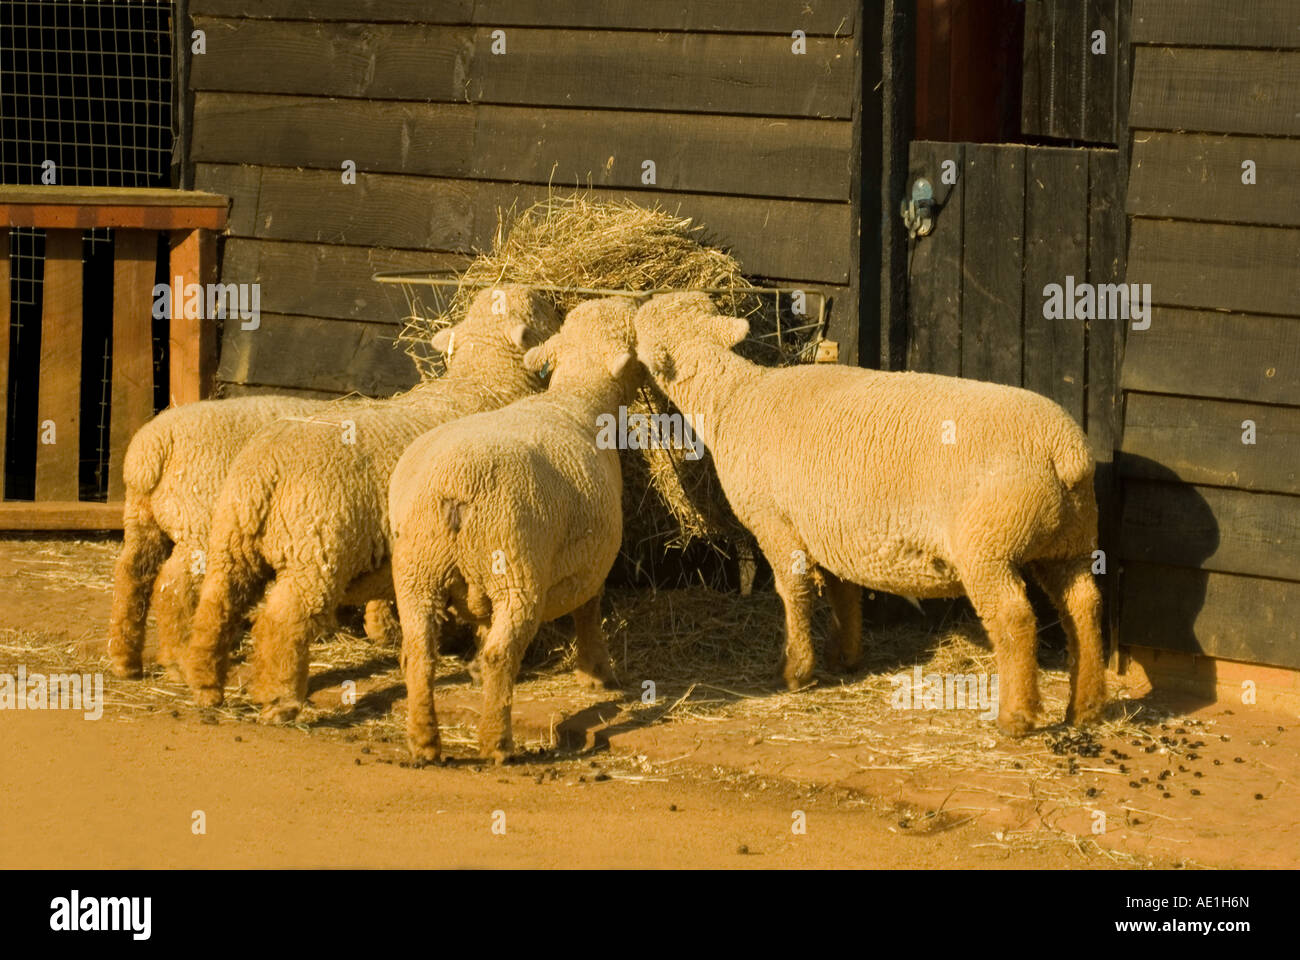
(1086, 714)
(796, 680)
(280, 713)
(426, 756)
(1015, 725)
(209, 697)
(127, 670)
(498, 752)
(174, 673)
(597, 680)
(475, 670)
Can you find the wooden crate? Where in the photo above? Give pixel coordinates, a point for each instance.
(137, 216)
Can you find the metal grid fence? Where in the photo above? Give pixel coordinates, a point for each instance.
(87, 86)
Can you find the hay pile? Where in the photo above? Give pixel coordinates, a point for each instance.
(572, 246)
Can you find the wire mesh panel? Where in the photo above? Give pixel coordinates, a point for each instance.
(85, 100)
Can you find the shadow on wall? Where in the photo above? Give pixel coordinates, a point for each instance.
(1166, 534)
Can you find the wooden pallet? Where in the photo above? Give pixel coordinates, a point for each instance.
(137, 217)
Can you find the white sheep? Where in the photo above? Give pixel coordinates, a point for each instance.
(909, 483)
(305, 504)
(511, 518)
(173, 470)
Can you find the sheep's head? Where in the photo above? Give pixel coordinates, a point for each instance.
(502, 320)
(673, 319)
(597, 335)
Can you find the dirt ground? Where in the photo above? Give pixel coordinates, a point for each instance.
(715, 772)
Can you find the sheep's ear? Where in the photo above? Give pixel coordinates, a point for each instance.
(538, 359)
(519, 336)
(621, 364)
(731, 330)
(442, 340)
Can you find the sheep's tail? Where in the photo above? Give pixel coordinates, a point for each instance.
(1075, 466)
(146, 457)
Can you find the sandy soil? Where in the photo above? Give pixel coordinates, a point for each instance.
(715, 786)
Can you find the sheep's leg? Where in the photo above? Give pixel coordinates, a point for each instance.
(592, 668)
(296, 613)
(227, 591)
(844, 649)
(381, 625)
(792, 570)
(1075, 595)
(998, 594)
(420, 635)
(144, 548)
(176, 598)
(514, 625)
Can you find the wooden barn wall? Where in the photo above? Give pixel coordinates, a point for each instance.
(1211, 527)
(753, 141)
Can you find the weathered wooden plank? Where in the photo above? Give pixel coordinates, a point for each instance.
(751, 156)
(1101, 70)
(59, 405)
(324, 355)
(327, 280)
(733, 155)
(835, 17)
(135, 259)
(1068, 91)
(1070, 68)
(1218, 266)
(992, 289)
(934, 295)
(1210, 528)
(60, 515)
(779, 239)
(1210, 354)
(1106, 227)
(192, 342)
(408, 62)
(55, 195)
(1267, 24)
(1197, 177)
(1216, 91)
(1036, 70)
(1202, 441)
(242, 184)
(391, 211)
(4, 343)
(1252, 619)
(379, 136)
(689, 72)
(1056, 247)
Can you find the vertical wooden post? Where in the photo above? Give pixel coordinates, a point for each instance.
(193, 341)
(58, 412)
(4, 349)
(135, 255)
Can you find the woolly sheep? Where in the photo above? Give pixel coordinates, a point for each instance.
(173, 469)
(306, 503)
(908, 483)
(511, 518)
